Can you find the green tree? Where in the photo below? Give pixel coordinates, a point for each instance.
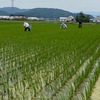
(82, 17)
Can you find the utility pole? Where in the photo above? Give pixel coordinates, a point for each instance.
(12, 6)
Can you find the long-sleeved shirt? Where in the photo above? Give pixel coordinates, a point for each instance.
(26, 24)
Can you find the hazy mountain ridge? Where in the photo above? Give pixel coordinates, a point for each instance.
(94, 13)
(11, 10)
(38, 12)
(48, 13)
(3, 12)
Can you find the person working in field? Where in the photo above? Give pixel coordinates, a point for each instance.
(63, 25)
(80, 24)
(26, 26)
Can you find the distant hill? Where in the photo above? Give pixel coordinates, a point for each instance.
(3, 13)
(14, 9)
(94, 13)
(38, 12)
(48, 13)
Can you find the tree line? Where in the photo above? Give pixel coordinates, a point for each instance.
(82, 17)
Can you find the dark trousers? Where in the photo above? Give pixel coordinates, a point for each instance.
(80, 26)
(27, 28)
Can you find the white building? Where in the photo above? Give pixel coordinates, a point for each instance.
(63, 19)
(70, 18)
(12, 17)
(97, 19)
(33, 18)
(4, 17)
(67, 19)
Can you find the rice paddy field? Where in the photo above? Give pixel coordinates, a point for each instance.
(48, 63)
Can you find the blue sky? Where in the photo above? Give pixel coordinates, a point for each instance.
(68, 5)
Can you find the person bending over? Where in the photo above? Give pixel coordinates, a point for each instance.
(26, 26)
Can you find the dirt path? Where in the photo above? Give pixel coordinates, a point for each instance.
(96, 91)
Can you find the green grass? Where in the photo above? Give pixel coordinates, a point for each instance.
(45, 32)
(46, 62)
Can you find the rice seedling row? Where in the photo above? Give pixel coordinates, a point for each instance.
(51, 67)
